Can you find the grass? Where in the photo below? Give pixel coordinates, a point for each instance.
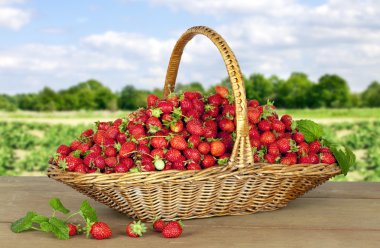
(322, 113)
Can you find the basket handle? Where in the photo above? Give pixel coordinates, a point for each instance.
(242, 153)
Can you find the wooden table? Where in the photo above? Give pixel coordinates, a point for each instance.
(333, 215)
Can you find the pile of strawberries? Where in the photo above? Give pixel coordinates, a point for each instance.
(187, 132)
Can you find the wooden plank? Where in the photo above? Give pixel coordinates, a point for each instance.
(351, 190)
(302, 213)
(205, 236)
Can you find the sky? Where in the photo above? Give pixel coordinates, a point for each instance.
(119, 42)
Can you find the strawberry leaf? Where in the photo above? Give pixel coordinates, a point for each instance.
(46, 226)
(57, 205)
(59, 228)
(311, 130)
(87, 212)
(345, 157)
(24, 223)
(40, 219)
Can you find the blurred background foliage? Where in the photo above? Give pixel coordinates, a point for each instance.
(298, 91)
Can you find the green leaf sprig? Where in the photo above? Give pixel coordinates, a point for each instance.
(53, 224)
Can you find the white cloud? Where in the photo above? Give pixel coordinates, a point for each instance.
(13, 17)
(270, 37)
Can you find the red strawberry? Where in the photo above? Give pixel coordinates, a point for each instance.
(287, 120)
(121, 168)
(186, 105)
(136, 130)
(253, 115)
(270, 158)
(314, 159)
(193, 166)
(278, 126)
(253, 103)
(199, 106)
(267, 138)
(173, 99)
(64, 150)
(194, 141)
(222, 91)
(217, 148)
(100, 230)
(227, 125)
(154, 121)
(100, 137)
(303, 149)
(208, 161)
(228, 109)
(72, 162)
(112, 132)
(110, 151)
(192, 95)
(177, 126)
(147, 166)
(152, 100)
(287, 160)
(298, 137)
(325, 150)
(178, 166)
(128, 162)
(283, 145)
(157, 153)
(211, 124)
(158, 225)
(255, 143)
(173, 155)
(215, 99)
(87, 133)
(192, 154)
(121, 138)
(327, 158)
(204, 147)
(80, 168)
(72, 229)
(173, 229)
(304, 160)
(159, 142)
(227, 140)
(195, 127)
(178, 142)
(100, 162)
(273, 149)
(83, 148)
(314, 146)
(254, 133)
(89, 159)
(117, 122)
(264, 125)
(166, 107)
(96, 149)
(103, 126)
(126, 149)
(75, 144)
(111, 161)
(135, 229)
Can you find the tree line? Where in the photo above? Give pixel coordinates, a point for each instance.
(297, 91)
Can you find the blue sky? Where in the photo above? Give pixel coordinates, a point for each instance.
(119, 42)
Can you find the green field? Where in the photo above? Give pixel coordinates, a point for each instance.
(29, 138)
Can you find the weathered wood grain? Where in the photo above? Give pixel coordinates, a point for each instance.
(333, 215)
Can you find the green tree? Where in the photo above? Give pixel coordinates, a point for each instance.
(130, 98)
(294, 92)
(331, 91)
(371, 96)
(194, 86)
(259, 88)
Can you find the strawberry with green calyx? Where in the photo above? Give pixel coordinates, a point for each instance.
(135, 229)
(222, 161)
(173, 229)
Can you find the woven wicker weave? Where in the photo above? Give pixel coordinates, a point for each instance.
(241, 187)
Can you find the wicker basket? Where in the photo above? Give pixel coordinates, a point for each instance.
(239, 188)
